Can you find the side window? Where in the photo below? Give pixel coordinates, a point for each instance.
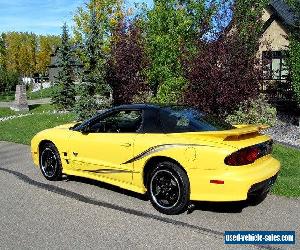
(126, 121)
(174, 122)
(274, 65)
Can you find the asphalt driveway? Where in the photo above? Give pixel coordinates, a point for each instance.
(78, 213)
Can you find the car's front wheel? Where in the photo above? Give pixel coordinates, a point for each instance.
(50, 163)
(168, 188)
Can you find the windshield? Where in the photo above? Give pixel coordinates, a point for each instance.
(185, 119)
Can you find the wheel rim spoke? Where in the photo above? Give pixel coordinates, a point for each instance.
(48, 162)
(165, 189)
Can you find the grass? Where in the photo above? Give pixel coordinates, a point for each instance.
(42, 108)
(21, 130)
(43, 93)
(288, 182)
(7, 96)
(6, 112)
(32, 109)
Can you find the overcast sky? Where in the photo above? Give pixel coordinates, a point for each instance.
(40, 16)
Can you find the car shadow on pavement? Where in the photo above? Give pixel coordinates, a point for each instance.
(216, 207)
(226, 207)
(107, 186)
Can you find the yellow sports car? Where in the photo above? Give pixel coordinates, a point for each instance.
(175, 154)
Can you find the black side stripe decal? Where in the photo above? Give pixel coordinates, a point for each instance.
(108, 171)
(158, 148)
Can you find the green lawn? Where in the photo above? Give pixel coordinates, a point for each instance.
(7, 96)
(21, 130)
(32, 109)
(288, 182)
(43, 93)
(6, 112)
(42, 108)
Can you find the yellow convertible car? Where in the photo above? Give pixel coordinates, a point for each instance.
(174, 154)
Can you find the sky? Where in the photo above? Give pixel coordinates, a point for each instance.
(41, 16)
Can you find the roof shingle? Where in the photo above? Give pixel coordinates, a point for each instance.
(285, 12)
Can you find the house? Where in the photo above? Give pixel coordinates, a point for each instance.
(53, 68)
(279, 20)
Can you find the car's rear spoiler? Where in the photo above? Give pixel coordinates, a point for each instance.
(241, 132)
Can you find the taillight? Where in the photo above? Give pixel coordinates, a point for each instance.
(249, 155)
(243, 157)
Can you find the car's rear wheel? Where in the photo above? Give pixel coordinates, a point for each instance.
(50, 163)
(168, 188)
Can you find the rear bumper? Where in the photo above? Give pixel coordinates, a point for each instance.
(239, 182)
(262, 187)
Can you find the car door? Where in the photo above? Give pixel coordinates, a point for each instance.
(106, 144)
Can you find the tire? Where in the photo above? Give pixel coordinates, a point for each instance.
(169, 188)
(50, 162)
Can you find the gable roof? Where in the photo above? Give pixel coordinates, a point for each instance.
(285, 12)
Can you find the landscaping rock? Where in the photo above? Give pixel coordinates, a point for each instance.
(285, 132)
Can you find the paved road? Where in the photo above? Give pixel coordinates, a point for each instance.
(30, 102)
(37, 214)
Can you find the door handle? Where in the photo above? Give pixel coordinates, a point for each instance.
(127, 145)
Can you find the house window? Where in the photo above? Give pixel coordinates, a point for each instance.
(275, 66)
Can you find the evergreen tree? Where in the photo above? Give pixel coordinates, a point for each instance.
(64, 94)
(94, 75)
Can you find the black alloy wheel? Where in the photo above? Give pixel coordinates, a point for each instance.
(50, 163)
(168, 188)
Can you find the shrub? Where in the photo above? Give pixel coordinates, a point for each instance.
(126, 67)
(221, 75)
(142, 97)
(254, 111)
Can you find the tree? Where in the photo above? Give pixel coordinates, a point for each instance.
(8, 79)
(21, 52)
(64, 95)
(2, 51)
(94, 25)
(107, 14)
(94, 74)
(226, 71)
(26, 53)
(170, 26)
(294, 52)
(46, 46)
(247, 22)
(128, 62)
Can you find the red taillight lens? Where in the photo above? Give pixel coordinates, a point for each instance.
(243, 157)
